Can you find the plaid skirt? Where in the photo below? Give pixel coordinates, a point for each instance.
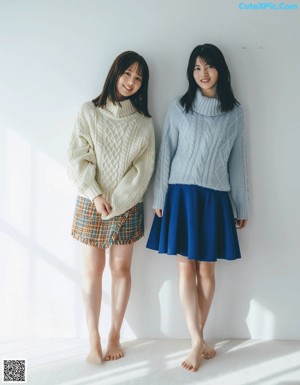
(89, 228)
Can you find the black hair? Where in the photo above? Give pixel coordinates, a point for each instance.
(140, 99)
(211, 55)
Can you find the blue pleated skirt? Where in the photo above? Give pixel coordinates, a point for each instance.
(197, 223)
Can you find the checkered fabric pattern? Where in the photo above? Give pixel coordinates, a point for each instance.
(89, 228)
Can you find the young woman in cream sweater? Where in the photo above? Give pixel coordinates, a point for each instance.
(111, 160)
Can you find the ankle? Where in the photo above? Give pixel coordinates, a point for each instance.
(114, 336)
(94, 336)
(197, 341)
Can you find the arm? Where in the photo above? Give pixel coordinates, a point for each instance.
(82, 159)
(237, 167)
(166, 153)
(131, 188)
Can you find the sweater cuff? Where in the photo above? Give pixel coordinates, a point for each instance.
(241, 212)
(158, 203)
(93, 191)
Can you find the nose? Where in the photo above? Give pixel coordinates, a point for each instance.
(130, 81)
(204, 71)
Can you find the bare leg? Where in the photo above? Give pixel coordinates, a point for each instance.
(94, 263)
(120, 263)
(188, 294)
(206, 290)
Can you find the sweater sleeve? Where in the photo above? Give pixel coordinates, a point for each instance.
(237, 167)
(166, 153)
(131, 188)
(81, 156)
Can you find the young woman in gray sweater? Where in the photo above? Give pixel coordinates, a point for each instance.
(200, 188)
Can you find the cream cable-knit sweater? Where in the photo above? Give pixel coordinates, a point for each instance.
(112, 153)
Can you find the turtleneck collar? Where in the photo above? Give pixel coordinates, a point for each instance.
(206, 106)
(118, 111)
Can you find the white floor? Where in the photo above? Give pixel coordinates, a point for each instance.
(157, 362)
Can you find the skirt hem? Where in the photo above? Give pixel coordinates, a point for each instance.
(105, 245)
(194, 259)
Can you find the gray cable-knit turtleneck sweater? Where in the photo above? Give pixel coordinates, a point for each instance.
(205, 147)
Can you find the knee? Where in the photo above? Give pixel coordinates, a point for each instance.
(92, 278)
(93, 272)
(120, 268)
(206, 271)
(187, 269)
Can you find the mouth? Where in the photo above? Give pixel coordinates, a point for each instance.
(128, 89)
(205, 80)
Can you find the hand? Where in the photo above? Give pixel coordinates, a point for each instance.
(241, 223)
(158, 212)
(102, 206)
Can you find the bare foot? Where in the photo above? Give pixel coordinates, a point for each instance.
(192, 363)
(95, 355)
(114, 350)
(208, 352)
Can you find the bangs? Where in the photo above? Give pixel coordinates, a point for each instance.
(208, 60)
(140, 67)
(207, 56)
(130, 61)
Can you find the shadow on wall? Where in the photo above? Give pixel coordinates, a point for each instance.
(41, 268)
(42, 263)
(255, 299)
(154, 310)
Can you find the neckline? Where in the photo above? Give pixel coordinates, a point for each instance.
(205, 105)
(123, 109)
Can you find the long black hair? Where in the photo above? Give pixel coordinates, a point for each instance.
(214, 57)
(140, 99)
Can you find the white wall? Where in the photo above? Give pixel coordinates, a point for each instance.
(54, 56)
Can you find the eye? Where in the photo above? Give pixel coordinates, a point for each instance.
(138, 78)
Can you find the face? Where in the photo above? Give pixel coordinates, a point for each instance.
(129, 83)
(206, 77)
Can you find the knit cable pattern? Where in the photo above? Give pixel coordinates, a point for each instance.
(112, 153)
(205, 147)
